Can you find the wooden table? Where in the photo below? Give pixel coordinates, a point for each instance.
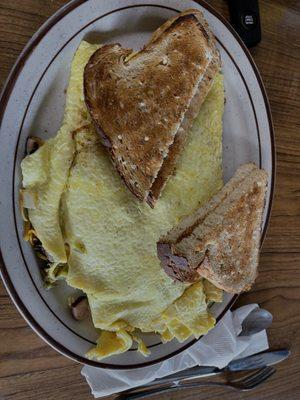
(30, 369)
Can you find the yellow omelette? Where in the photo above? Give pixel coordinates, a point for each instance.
(78, 202)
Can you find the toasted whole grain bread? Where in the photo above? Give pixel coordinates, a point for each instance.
(143, 104)
(221, 240)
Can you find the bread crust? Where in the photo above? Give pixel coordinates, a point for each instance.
(220, 241)
(143, 104)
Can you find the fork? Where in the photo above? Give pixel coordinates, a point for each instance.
(246, 383)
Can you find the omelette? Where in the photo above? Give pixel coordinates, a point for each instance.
(102, 240)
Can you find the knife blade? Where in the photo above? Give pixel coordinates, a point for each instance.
(259, 360)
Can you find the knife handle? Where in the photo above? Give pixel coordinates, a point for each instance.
(244, 17)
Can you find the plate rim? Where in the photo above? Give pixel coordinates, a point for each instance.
(5, 95)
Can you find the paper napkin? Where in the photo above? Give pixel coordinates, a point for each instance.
(220, 346)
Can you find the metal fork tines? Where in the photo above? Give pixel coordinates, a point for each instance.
(253, 380)
(248, 382)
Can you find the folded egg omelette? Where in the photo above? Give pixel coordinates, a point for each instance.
(102, 240)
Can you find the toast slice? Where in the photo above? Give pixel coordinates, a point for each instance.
(143, 104)
(220, 241)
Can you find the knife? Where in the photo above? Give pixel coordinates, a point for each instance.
(259, 360)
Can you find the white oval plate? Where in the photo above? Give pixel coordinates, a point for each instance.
(32, 103)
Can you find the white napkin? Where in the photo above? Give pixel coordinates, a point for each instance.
(217, 348)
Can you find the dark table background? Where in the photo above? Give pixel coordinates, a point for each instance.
(30, 369)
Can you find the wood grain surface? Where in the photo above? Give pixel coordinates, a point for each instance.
(30, 369)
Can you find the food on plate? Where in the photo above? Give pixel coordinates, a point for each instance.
(79, 308)
(221, 240)
(101, 239)
(143, 103)
(157, 114)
